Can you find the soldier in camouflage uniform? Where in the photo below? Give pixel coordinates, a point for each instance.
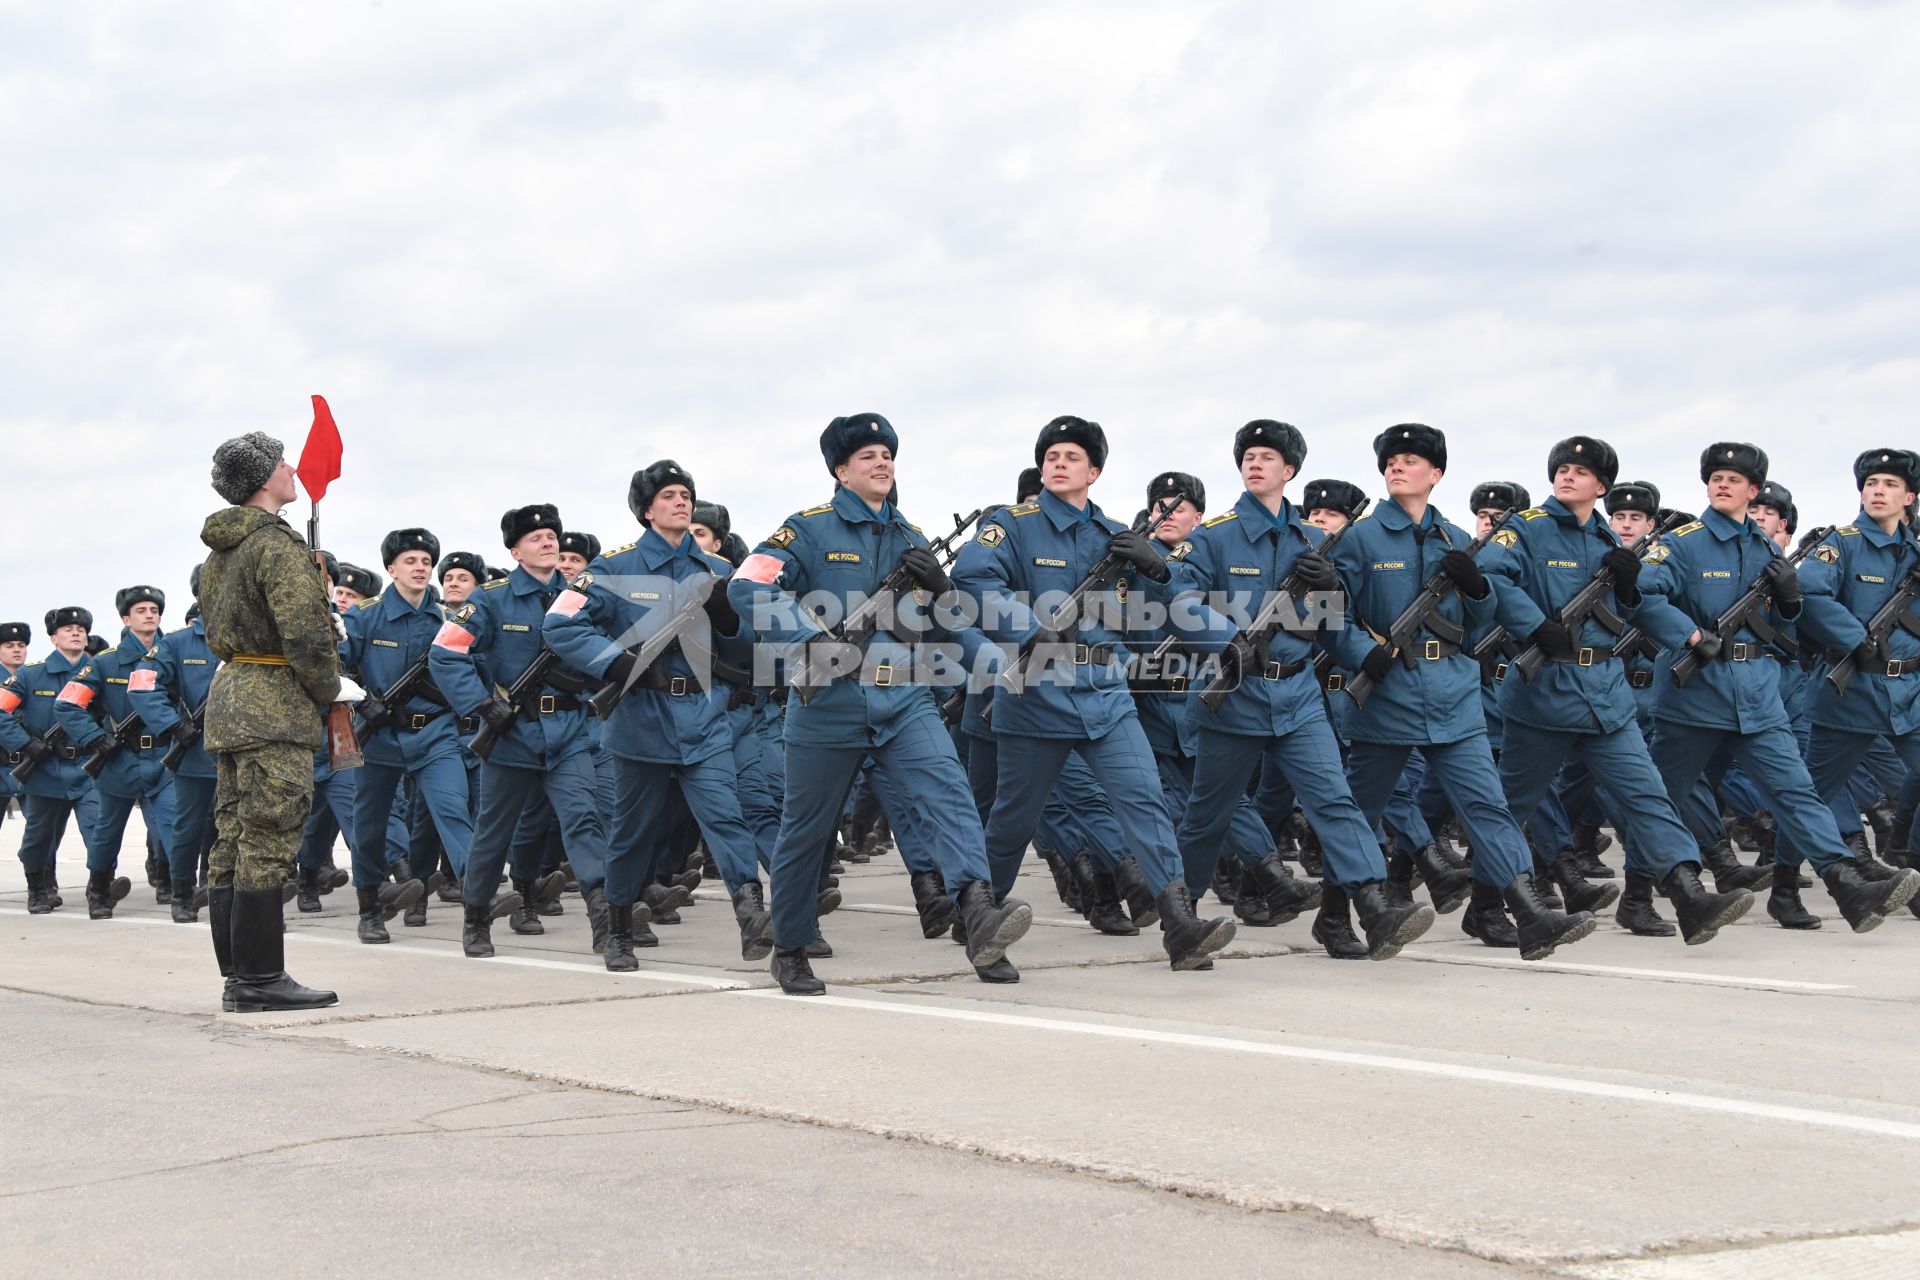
(267, 620)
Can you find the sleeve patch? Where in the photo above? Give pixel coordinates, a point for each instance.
(144, 681)
(581, 581)
(568, 603)
(1656, 556)
(1181, 552)
(1826, 554)
(991, 536)
(1506, 538)
(761, 568)
(453, 637)
(781, 538)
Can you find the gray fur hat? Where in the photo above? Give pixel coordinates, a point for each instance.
(244, 463)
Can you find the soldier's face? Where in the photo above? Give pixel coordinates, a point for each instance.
(1884, 496)
(1178, 523)
(279, 485)
(1628, 525)
(412, 570)
(1264, 471)
(1408, 475)
(869, 473)
(1328, 518)
(1483, 520)
(457, 586)
(1771, 522)
(707, 542)
(70, 639)
(671, 511)
(1066, 471)
(573, 564)
(1574, 485)
(13, 654)
(346, 597)
(538, 552)
(143, 619)
(1730, 493)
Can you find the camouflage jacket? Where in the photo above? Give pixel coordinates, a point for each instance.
(262, 596)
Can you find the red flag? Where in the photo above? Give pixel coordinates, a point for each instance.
(320, 459)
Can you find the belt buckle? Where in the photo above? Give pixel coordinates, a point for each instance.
(1177, 685)
(677, 687)
(1336, 681)
(1897, 667)
(1499, 672)
(146, 742)
(883, 676)
(1082, 654)
(13, 757)
(416, 721)
(547, 707)
(1739, 652)
(1271, 671)
(1433, 651)
(1584, 657)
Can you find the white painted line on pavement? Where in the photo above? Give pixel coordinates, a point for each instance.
(1609, 970)
(1413, 1066)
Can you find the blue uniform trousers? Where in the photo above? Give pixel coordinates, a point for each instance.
(1309, 759)
(110, 827)
(1247, 836)
(1832, 757)
(1630, 788)
(440, 785)
(642, 798)
(921, 761)
(1772, 760)
(192, 826)
(507, 794)
(1057, 831)
(759, 805)
(910, 835)
(46, 822)
(1464, 770)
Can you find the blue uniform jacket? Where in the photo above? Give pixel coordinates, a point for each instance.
(837, 554)
(1701, 569)
(27, 701)
(385, 636)
(182, 670)
(485, 644)
(1383, 563)
(8, 787)
(133, 770)
(1845, 579)
(1239, 559)
(618, 603)
(1538, 562)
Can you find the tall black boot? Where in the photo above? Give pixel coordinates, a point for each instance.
(1588, 844)
(1541, 928)
(1189, 940)
(260, 980)
(37, 904)
(991, 928)
(1389, 925)
(526, 919)
(1132, 883)
(1870, 869)
(1702, 914)
(1286, 897)
(1731, 873)
(104, 889)
(594, 897)
(1784, 904)
(476, 929)
(756, 923)
(1063, 884)
(1896, 854)
(1249, 907)
(1333, 925)
(931, 901)
(1106, 914)
(180, 899)
(306, 883)
(550, 888)
(1226, 881)
(1581, 893)
(1865, 902)
(1448, 886)
(1880, 818)
(1312, 861)
(619, 944)
(1486, 918)
(1398, 885)
(416, 913)
(159, 881)
(1080, 868)
(794, 974)
(373, 917)
(1636, 914)
(220, 921)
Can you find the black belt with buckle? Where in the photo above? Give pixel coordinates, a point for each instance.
(1741, 651)
(419, 719)
(548, 703)
(144, 742)
(13, 757)
(1892, 668)
(1431, 650)
(1335, 681)
(1587, 655)
(1640, 679)
(66, 751)
(1282, 670)
(469, 725)
(740, 698)
(878, 676)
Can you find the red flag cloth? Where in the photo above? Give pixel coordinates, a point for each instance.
(320, 459)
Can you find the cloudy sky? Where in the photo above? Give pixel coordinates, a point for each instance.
(526, 249)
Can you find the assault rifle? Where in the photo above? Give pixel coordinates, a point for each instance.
(1749, 611)
(1420, 615)
(1590, 600)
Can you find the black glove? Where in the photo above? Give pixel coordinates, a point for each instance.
(620, 670)
(1554, 640)
(1315, 571)
(1466, 575)
(1625, 568)
(720, 610)
(1865, 652)
(1707, 646)
(1379, 659)
(105, 747)
(36, 750)
(1783, 584)
(1138, 552)
(924, 568)
(497, 712)
(374, 713)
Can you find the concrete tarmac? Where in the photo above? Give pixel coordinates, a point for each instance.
(1632, 1108)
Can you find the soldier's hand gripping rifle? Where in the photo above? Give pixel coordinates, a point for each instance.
(377, 709)
(185, 734)
(840, 650)
(1591, 599)
(1896, 611)
(37, 752)
(655, 647)
(1249, 645)
(1060, 626)
(1420, 614)
(499, 711)
(1749, 611)
(120, 733)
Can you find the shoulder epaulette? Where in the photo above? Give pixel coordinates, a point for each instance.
(817, 511)
(495, 585)
(1231, 515)
(368, 603)
(1023, 509)
(917, 529)
(1692, 526)
(617, 550)
(1533, 513)
(1847, 531)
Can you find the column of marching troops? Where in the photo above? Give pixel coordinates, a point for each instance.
(1459, 712)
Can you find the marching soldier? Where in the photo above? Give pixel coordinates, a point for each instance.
(846, 548)
(267, 620)
(169, 691)
(354, 585)
(57, 789)
(13, 656)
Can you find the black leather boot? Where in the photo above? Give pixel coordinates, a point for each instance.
(1731, 873)
(261, 983)
(1132, 883)
(220, 921)
(1866, 902)
(1588, 844)
(1107, 915)
(104, 890)
(373, 917)
(1702, 914)
(1443, 846)
(1541, 928)
(1449, 887)
(931, 901)
(550, 888)
(1000, 973)
(1062, 880)
(1636, 914)
(1871, 869)
(1880, 818)
(306, 886)
(1286, 897)
(415, 916)
(1249, 908)
(1226, 881)
(991, 928)
(1581, 894)
(504, 905)
(1896, 854)
(37, 903)
(794, 974)
(827, 901)
(1389, 925)
(1080, 868)
(1784, 904)
(1312, 862)
(819, 948)
(1398, 885)
(1333, 925)
(619, 945)
(595, 900)
(476, 929)
(180, 899)
(525, 919)
(1189, 940)
(1486, 918)
(159, 881)
(450, 892)
(756, 924)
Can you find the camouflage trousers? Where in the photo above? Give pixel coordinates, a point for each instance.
(260, 803)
